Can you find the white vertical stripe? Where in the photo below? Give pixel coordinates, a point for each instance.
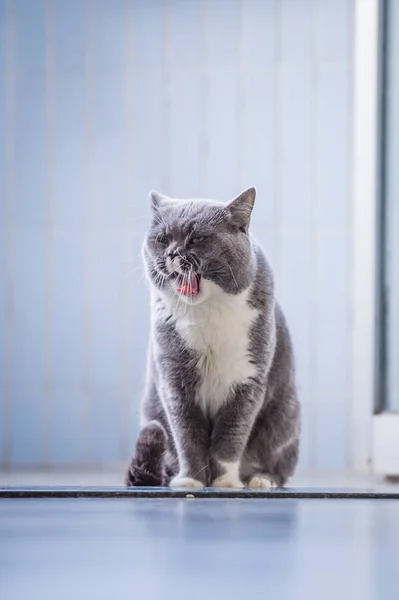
(242, 64)
(48, 295)
(89, 101)
(278, 166)
(203, 141)
(349, 224)
(315, 201)
(126, 323)
(364, 228)
(10, 183)
(167, 73)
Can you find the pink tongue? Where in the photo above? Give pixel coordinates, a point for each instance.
(191, 288)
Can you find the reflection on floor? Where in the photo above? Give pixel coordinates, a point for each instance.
(112, 477)
(65, 476)
(184, 549)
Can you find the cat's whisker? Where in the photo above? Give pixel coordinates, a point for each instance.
(179, 295)
(160, 219)
(232, 274)
(190, 304)
(185, 283)
(134, 270)
(160, 278)
(200, 471)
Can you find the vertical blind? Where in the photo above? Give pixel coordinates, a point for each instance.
(102, 100)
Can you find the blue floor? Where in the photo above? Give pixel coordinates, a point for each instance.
(117, 548)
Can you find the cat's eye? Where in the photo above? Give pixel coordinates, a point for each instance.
(162, 239)
(197, 240)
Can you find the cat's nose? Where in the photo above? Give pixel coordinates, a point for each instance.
(180, 261)
(177, 253)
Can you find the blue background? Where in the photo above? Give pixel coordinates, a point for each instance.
(103, 100)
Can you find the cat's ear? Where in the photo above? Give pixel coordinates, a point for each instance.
(157, 200)
(240, 209)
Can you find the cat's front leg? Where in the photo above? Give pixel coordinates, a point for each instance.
(191, 436)
(231, 431)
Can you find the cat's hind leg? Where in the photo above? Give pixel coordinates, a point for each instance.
(272, 472)
(147, 466)
(285, 462)
(256, 474)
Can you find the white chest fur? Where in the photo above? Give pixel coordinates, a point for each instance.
(218, 329)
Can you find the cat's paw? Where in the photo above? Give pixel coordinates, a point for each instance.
(185, 482)
(261, 482)
(226, 481)
(231, 476)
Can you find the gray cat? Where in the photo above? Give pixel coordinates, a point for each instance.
(220, 406)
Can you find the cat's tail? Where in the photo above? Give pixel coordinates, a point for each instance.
(147, 466)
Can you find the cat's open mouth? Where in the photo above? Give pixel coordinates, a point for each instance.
(188, 284)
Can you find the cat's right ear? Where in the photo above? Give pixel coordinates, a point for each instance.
(157, 200)
(240, 209)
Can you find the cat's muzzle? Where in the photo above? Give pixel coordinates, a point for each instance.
(184, 269)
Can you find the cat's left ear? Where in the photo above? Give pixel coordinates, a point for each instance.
(157, 200)
(240, 209)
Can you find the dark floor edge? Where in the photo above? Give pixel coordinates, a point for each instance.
(104, 492)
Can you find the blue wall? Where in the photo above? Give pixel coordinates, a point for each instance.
(392, 208)
(101, 101)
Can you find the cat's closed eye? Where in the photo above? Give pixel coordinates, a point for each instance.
(162, 239)
(197, 240)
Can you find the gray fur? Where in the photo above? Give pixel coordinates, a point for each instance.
(258, 423)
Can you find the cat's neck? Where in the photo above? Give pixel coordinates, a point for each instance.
(217, 305)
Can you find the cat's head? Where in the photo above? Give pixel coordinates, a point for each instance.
(196, 248)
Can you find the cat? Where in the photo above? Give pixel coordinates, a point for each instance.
(220, 406)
